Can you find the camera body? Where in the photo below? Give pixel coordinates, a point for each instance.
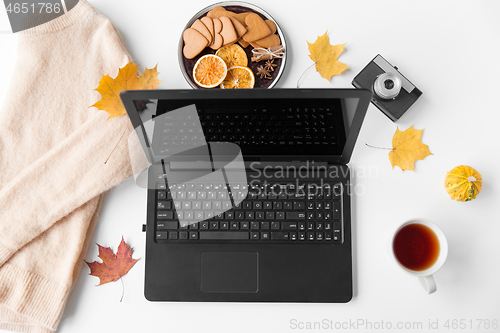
(393, 93)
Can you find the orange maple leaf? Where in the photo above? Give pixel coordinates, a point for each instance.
(126, 79)
(113, 266)
(325, 57)
(407, 148)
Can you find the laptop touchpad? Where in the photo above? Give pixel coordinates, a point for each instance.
(229, 272)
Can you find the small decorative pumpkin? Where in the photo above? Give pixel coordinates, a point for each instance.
(463, 183)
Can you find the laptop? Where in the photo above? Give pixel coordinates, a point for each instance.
(248, 192)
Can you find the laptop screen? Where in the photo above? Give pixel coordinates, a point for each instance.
(291, 124)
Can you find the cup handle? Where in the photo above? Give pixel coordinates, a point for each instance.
(428, 283)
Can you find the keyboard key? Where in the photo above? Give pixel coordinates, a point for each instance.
(264, 225)
(319, 236)
(264, 235)
(293, 236)
(336, 210)
(165, 215)
(257, 205)
(289, 225)
(302, 236)
(328, 236)
(204, 225)
(172, 235)
(295, 215)
(214, 225)
(183, 235)
(301, 225)
(299, 205)
(162, 195)
(162, 235)
(254, 235)
(269, 215)
(235, 225)
(244, 225)
(224, 225)
(310, 236)
(193, 235)
(215, 235)
(280, 235)
(164, 205)
(166, 225)
(254, 225)
(275, 225)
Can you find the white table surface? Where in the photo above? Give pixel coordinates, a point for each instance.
(448, 49)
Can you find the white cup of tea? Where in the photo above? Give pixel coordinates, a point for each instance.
(420, 248)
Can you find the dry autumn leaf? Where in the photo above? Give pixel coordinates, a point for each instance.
(126, 79)
(407, 148)
(325, 57)
(113, 266)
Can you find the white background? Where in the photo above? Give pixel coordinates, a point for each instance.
(448, 49)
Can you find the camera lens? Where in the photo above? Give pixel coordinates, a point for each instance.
(387, 86)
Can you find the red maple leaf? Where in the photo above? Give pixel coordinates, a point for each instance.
(113, 266)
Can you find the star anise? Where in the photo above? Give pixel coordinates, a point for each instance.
(270, 65)
(264, 73)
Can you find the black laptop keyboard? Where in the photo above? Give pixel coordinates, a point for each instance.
(287, 128)
(279, 212)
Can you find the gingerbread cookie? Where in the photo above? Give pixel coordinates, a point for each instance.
(194, 43)
(240, 28)
(218, 40)
(269, 41)
(218, 12)
(228, 32)
(207, 21)
(198, 25)
(271, 26)
(257, 28)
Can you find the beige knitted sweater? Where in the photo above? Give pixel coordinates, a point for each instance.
(52, 171)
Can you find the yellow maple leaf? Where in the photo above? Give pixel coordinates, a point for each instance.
(407, 148)
(325, 57)
(126, 79)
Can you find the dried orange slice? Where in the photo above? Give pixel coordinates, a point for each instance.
(238, 77)
(233, 55)
(209, 71)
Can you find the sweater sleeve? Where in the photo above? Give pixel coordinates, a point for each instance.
(62, 180)
(72, 172)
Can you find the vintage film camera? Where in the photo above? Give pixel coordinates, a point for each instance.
(393, 94)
